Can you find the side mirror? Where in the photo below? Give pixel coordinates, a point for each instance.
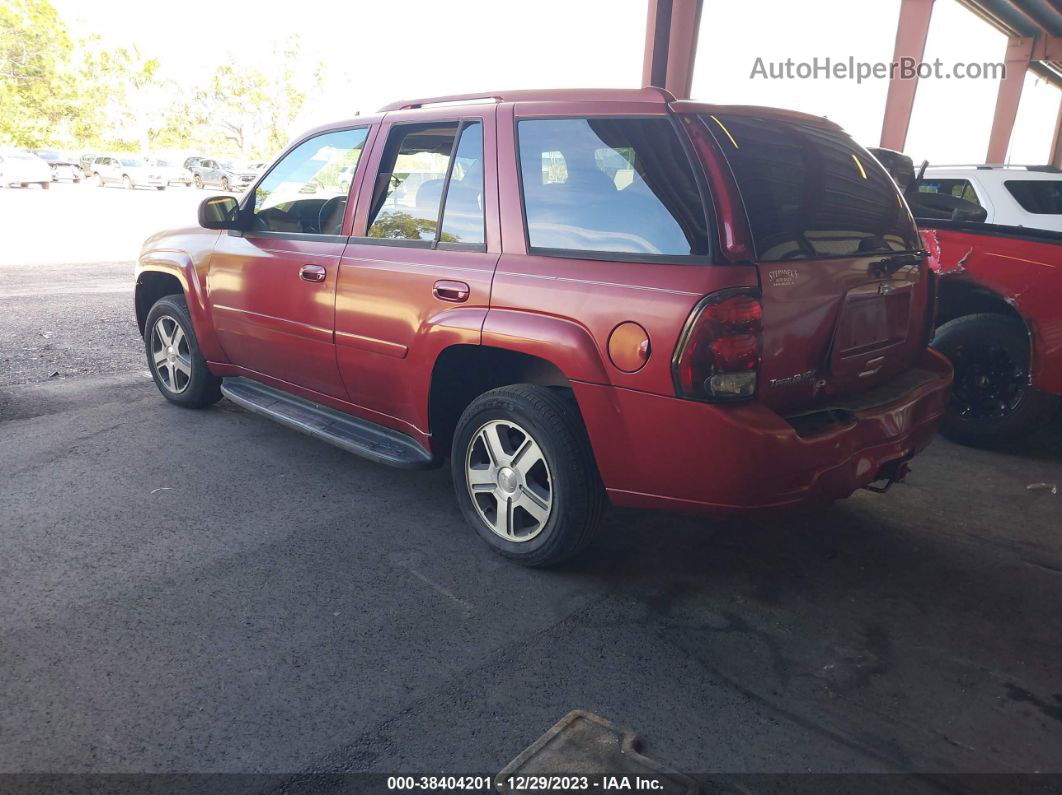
(219, 212)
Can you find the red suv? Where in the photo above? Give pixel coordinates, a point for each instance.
(577, 296)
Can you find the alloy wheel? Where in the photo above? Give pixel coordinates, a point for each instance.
(989, 384)
(509, 480)
(170, 355)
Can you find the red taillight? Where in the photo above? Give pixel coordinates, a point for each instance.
(719, 353)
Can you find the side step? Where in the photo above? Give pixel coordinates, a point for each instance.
(353, 434)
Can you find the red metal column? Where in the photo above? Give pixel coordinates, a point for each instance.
(657, 38)
(1056, 144)
(1019, 53)
(911, 32)
(671, 33)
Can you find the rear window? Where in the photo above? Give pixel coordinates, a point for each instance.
(610, 185)
(1039, 196)
(810, 192)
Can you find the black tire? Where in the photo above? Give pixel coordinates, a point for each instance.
(578, 497)
(226, 185)
(160, 187)
(128, 182)
(46, 185)
(991, 400)
(202, 388)
(198, 180)
(99, 180)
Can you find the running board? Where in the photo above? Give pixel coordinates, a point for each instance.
(353, 434)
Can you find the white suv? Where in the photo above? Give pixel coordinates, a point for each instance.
(129, 170)
(1028, 196)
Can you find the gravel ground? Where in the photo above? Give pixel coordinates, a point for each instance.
(65, 321)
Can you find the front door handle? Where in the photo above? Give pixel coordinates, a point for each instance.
(446, 290)
(312, 273)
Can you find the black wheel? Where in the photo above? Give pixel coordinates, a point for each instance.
(99, 180)
(198, 180)
(46, 185)
(226, 185)
(128, 182)
(160, 187)
(525, 476)
(179, 369)
(991, 399)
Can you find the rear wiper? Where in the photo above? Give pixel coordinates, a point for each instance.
(889, 265)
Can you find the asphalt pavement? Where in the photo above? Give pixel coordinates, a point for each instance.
(209, 592)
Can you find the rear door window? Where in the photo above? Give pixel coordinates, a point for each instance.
(1039, 196)
(809, 191)
(616, 186)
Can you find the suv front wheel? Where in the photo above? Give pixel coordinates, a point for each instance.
(525, 476)
(173, 356)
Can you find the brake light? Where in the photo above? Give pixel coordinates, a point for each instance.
(718, 355)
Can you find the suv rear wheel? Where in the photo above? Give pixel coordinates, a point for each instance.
(525, 476)
(179, 369)
(991, 400)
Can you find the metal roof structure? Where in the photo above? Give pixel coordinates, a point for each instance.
(1034, 19)
(1034, 42)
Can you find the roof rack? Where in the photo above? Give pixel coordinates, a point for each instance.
(648, 94)
(990, 166)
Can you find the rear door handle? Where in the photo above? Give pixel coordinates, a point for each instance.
(446, 290)
(312, 273)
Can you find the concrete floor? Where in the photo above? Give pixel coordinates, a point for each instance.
(208, 592)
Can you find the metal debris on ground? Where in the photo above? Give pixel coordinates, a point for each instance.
(584, 744)
(1051, 487)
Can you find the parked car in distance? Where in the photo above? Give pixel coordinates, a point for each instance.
(228, 175)
(998, 317)
(63, 166)
(173, 172)
(129, 170)
(21, 169)
(589, 296)
(1029, 196)
(85, 162)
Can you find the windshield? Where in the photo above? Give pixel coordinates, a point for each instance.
(164, 163)
(48, 155)
(132, 161)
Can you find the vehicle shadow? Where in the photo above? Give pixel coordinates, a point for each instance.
(913, 640)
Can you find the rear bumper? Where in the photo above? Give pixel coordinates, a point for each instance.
(655, 451)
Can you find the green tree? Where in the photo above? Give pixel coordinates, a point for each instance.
(37, 88)
(252, 109)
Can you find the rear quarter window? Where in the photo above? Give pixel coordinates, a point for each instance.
(1038, 196)
(809, 191)
(619, 187)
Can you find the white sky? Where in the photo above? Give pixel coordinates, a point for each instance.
(378, 52)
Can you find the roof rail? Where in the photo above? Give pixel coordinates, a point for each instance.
(647, 94)
(990, 166)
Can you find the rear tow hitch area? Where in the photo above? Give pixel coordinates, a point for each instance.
(890, 472)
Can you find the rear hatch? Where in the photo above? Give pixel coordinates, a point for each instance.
(844, 284)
